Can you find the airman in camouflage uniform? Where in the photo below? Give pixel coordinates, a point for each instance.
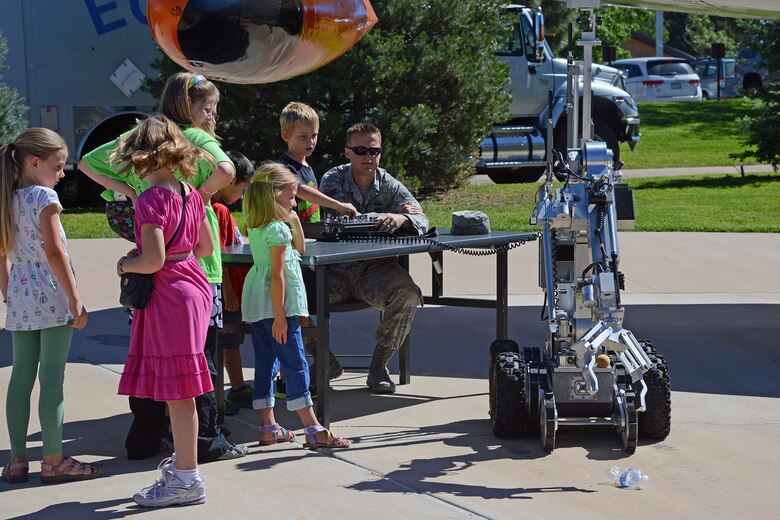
(382, 283)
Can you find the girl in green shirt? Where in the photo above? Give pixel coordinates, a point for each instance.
(190, 101)
(273, 299)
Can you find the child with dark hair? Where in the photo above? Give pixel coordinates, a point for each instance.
(240, 393)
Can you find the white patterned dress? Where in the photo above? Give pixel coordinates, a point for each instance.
(35, 299)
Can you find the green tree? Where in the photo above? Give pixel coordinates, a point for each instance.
(762, 133)
(556, 24)
(695, 34)
(425, 74)
(617, 25)
(12, 107)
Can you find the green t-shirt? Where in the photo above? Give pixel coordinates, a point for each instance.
(98, 161)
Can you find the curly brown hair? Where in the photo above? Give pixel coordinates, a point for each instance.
(158, 143)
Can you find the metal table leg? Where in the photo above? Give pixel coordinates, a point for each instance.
(502, 295)
(405, 352)
(322, 334)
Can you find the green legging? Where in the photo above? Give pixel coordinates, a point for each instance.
(49, 347)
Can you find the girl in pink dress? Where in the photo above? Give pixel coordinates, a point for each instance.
(166, 361)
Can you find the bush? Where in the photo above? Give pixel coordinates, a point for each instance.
(12, 106)
(762, 132)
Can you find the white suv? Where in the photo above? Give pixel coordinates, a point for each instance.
(660, 79)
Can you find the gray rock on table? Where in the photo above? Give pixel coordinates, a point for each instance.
(470, 222)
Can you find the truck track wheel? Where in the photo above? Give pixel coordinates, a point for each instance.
(497, 347)
(656, 421)
(500, 346)
(548, 420)
(507, 395)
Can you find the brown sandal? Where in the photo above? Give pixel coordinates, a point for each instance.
(13, 467)
(331, 441)
(280, 434)
(70, 470)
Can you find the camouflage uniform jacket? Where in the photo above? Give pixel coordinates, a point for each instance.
(387, 195)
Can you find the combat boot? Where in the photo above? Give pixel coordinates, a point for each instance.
(379, 381)
(378, 377)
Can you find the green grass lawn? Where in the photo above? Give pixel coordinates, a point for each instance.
(689, 134)
(673, 135)
(727, 203)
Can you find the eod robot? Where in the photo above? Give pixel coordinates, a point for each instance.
(592, 372)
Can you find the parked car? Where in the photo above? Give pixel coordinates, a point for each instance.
(660, 79)
(707, 70)
(755, 75)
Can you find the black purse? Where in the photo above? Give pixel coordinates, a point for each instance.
(135, 289)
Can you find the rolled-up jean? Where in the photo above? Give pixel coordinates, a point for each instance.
(269, 355)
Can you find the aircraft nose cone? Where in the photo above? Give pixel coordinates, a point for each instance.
(257, 41)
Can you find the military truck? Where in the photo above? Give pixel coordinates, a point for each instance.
(515, 151)
(79, 66)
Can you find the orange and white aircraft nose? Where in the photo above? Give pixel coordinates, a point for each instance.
(257, 41)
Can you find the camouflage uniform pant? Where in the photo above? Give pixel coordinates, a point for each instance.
(386, 286)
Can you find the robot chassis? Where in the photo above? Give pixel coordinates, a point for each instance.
(592, 372)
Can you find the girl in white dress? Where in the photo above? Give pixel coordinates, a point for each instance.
(44, 305)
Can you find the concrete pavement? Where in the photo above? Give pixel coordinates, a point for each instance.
(709, 301)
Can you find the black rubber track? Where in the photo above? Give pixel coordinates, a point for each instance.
(507, 397)
(656, 421)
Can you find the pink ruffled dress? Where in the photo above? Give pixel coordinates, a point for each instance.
(166, 361)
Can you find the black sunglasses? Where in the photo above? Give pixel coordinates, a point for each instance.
(361, 150)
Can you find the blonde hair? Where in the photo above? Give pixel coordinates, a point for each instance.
(175, 102)
(33, 142)
(260, 205)
(295, 113)
(158, 143)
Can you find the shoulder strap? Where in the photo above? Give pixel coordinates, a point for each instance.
(183, 209)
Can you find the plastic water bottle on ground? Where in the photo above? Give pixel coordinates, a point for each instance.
(631, 478)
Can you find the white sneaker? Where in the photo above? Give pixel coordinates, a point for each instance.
(169, 490)
(168, 464)
(236, 451)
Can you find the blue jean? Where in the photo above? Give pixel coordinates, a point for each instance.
(269, 354)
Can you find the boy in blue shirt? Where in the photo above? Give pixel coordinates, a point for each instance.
(300, 128)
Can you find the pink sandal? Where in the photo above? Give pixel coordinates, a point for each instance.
(70, 470)
(332, 441)
(13, 467)
(281, 435)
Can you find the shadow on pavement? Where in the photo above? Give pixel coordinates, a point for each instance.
(717, 349)
(720, 349)
(430, 475)
(85, 510)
